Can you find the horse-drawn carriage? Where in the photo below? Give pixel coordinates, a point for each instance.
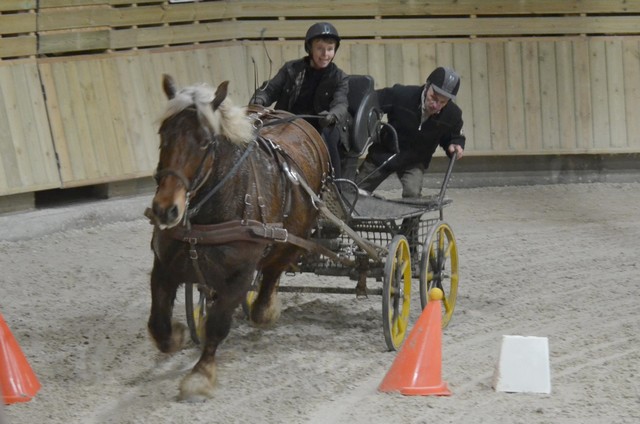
(229, 224)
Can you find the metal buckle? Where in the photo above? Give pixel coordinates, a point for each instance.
(193, 253)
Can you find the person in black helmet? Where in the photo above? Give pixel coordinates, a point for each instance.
(314, 85)
(424, 118)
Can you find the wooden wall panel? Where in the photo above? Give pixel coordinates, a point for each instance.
(100, 63)
(100, 26)
(104, 111)
(27, 158)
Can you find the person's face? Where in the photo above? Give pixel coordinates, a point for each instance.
(322, 52)
(434, 102)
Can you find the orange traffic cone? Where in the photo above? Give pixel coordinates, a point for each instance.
(417, 367)
(19, 383)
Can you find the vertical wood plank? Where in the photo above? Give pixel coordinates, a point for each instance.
(411, 64)
(566, 96)
(444, 54)
(376, 63)
(582, 92)
(237, 60)
(39, 143)
(462, 65)
(54, 114)
(73, 168)
(200, 63)
(480, 97)
(80, 119)
(360, 61)
(101, 137)
(290, 52)
(428, 61)
(549, 88)
(394, 62)
(151, 109)
(10, 175)
(130, 92)
(532, 93)
(343, 58)
(118, 120)
(43, 131)
(514, 96)
(631, 63)
(616, 93)
(22, 136)
(497, 95)
(599, 95)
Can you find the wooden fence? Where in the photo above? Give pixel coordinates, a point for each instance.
(80, 79)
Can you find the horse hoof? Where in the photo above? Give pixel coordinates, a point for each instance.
(195, 387)
(179, 337)
(170, 343)
(266, 317)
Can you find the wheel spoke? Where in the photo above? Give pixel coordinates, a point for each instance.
(439, 268)
(433, 258)
(396, 292)
(447, 251)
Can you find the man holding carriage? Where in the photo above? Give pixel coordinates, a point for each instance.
(424, 117)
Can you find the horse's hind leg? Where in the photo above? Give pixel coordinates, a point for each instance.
(266, 308)
(199, 384)
(168, 336)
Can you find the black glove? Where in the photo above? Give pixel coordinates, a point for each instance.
(327, 119)
(257, 101)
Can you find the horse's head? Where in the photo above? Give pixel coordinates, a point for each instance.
(195, 120)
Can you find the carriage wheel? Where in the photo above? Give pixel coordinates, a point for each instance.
(196, 317)
(396, 292)
(439, 268)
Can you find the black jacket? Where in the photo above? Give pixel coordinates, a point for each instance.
(417, 140)
(331, 94)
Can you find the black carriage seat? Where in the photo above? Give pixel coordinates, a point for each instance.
(365, 125)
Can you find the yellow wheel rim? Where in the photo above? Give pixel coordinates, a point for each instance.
(397, 292)
(200, 320)
(440, 269)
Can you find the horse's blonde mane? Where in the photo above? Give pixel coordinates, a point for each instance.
(228, 120)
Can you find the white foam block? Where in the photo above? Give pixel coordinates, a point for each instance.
(523, 365)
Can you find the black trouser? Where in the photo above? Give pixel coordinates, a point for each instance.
(411, 178)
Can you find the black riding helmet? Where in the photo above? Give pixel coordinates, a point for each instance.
(321, 29)
(444, 81)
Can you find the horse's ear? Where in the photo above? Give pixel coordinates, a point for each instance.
(221, 94)
(169, 86)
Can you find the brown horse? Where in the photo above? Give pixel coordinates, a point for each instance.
(228, 202)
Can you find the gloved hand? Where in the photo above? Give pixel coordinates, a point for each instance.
(257, 101)
(327, 119)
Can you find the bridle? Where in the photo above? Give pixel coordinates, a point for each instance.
(201, 177)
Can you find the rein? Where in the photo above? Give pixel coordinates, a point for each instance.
(289, 119)
(191, 212)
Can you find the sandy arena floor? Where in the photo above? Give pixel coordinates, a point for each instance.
(557, 261)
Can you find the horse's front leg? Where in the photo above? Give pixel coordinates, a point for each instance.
(168, 336)
(199, 384)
